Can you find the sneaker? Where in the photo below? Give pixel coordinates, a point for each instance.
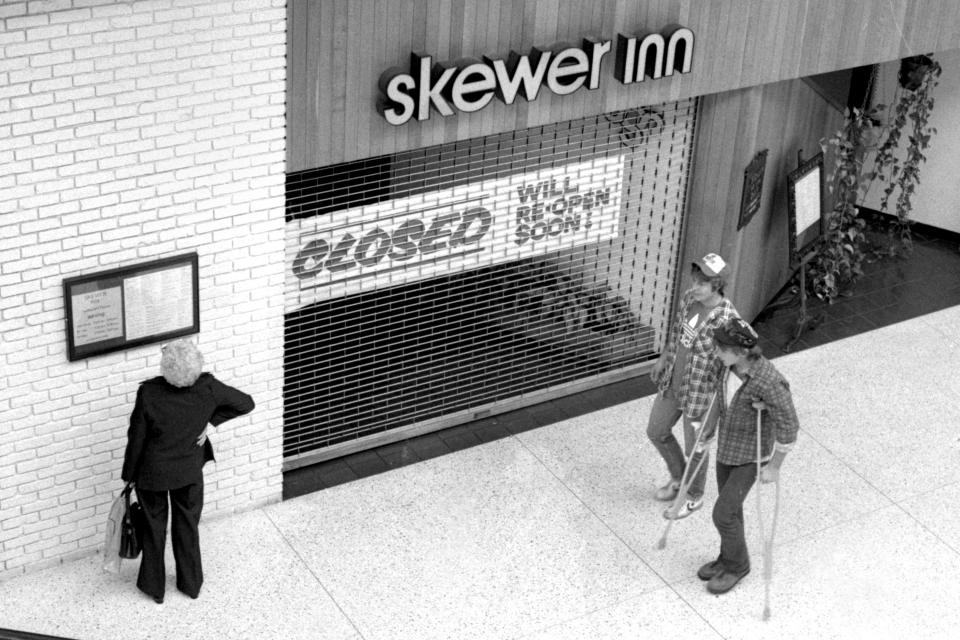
(688, 507)
(724, 581)
(668, 492)
(709, 570)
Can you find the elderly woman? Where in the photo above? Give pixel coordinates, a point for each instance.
(166, 450)
(686, 376)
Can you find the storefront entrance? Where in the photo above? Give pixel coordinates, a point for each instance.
(426, 284)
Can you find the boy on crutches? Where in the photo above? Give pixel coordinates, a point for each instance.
(750, 384)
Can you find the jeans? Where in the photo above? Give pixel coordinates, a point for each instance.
(663, 416)
(733, 485)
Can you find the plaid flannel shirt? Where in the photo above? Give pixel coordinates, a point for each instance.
(737, 439)
(703, 368)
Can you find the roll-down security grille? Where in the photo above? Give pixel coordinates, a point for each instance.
(428, 282)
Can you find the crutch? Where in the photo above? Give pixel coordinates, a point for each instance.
(687, 477)
(766, 543)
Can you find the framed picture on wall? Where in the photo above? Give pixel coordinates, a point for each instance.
(805, 206)
(752, 188)
(132, 306)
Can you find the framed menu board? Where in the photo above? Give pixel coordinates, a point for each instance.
(128, 307)
(805, 206)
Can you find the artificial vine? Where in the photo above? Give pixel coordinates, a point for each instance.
(839, 251)
(913, 103)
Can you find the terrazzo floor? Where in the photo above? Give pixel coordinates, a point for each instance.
(552, 533)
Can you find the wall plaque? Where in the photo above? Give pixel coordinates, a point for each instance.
(752, 188)
(128, 307)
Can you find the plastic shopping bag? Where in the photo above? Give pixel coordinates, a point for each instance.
(111, 545)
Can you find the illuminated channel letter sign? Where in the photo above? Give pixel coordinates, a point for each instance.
(653, 55)
(468, 85)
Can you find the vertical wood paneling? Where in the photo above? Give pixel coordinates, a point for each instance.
(751, 60)
(949, 26)
(807, 54)
(782, 117)
(359, 24)
(337, 88)
(409, 16)
(298, 98)
(375, 140)
(338, 48)
(784, 38)
(461, 41)
(854, 37)
(491, 44)
(919, 19)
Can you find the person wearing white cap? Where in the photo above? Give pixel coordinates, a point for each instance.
(686, 375)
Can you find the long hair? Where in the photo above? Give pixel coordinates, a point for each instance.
(181, 363)
(751, 353)
(717, 283)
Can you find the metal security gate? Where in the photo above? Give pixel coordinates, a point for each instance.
(426, 283)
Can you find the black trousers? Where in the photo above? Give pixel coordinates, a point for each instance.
(186, 503)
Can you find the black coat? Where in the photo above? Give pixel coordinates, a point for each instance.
(162, 452)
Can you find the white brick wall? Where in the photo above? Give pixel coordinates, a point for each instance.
(129, 132)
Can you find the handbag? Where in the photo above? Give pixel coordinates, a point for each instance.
(131, 527)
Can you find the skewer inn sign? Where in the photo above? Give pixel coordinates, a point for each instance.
(468, 84)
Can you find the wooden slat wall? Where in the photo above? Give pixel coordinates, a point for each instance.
(338, 48)
(783, 117)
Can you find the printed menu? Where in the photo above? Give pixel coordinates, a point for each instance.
(158, 302)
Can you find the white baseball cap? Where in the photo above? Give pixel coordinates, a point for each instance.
(712, 265)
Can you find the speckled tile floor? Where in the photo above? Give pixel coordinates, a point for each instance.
(891, 290)
(551, 532)
(539, 524)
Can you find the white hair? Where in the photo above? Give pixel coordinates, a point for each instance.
(181, 363)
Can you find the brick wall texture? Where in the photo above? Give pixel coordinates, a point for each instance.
(132, 131)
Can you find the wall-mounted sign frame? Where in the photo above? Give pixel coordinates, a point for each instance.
(752, 188)
(805, 207)
(131, 306)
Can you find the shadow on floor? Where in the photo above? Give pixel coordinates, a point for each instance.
(891, 290)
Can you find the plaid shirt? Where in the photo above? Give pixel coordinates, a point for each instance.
(737, 440)
(703, 368)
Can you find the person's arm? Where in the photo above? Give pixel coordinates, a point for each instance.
(770, 472)
(709, 420)
(673, 330)
(658, 366)
(786, 425)
(136, 440)
(705, 373)
(230, 402)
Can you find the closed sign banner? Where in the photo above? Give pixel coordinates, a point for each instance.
(452, 230)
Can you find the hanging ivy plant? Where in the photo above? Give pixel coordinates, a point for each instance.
(841, 248)
(913, 103)
(839, 251)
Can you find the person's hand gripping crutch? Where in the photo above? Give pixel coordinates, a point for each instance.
(700, 445)
(765, 475)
